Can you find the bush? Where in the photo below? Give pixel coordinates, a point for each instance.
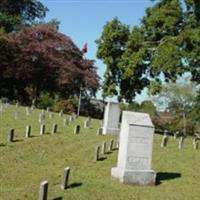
(45, 101)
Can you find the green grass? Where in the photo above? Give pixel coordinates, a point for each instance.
(27, 162)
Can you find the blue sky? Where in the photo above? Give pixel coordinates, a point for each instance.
(83, 20)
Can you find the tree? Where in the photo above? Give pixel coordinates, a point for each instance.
(178, 99)
(111, 46)
(14, 14)
(40, 59)
(161, 49)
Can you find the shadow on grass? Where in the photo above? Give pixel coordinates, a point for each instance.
(115, 149)
(162, 176)
(2, 145)
(108, 152)
(58, 198)
(17, 140)
(74, 185)
(102, 158)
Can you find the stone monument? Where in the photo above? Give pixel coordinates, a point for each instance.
(111, 119)
(135, 150)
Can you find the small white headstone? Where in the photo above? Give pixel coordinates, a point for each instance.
(135, 150)
(111, 119)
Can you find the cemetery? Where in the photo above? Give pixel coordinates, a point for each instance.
(26, 162)
(96, 108)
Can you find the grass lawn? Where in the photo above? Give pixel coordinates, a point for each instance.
(27, 162)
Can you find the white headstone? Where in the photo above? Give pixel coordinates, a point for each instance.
(111, 119)
(135, 150)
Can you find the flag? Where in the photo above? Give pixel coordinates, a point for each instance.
(84, 49)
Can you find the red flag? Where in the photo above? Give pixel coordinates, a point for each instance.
(84, 49)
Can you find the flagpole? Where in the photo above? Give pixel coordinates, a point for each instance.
(84, 50)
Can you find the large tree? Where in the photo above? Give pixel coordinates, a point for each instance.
(39, 59)
(111, 46)
(163, 47)
(14, 14)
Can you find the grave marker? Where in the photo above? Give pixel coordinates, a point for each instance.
(111, 119)
(135, 150)
(65, 178)
(43, 192)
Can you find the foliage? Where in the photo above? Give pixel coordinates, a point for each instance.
(14, 14)
(163, 47)
(111, 47)
(67, 105)
(40, 59)
(45, 100)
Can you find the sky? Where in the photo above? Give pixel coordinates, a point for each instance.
(83, 21)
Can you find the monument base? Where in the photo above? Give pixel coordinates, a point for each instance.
(135, 177)
(110, 131)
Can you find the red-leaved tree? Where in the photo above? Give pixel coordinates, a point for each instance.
(38, 59)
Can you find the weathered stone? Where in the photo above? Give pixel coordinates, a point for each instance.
(164, 139)
(97, 153)
(28, 111)
(180, 143)
(28, 131)
(77, 129)
(87, 124)
(111, 119)
(110, 145)
(43, 192)
(42, 129)
(65, 178)
(61, 113)
(54, 128)
(17, 115)
(41, 118)
(103, 148)
(135, 150)
(51, 115)
(196, 143)
(65, 121)
(11, 135)
(99, 131)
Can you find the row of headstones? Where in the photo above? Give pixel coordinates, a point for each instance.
(165, 139)
(43, 191)
(103, 149)
(42, 131)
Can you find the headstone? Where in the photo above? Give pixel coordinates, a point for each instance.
(28, 111)
(180, 143)
(70, 118)
(65, 178)
(51, 115)
(11, 135)
(99, 131)
(61, 113)
(196, 143)
(175, 135)
(17, 115)
(42, 129)
(87, 124)
(28, 131)
(97, 153)
(43, 192)
(17, 105)
(110, 145)
(48, 109)
(41, 118)
(77, 129)
(54, 128)
(135, 150)
(103, 148)
(164, 139)
(65, 121)
(111, 119)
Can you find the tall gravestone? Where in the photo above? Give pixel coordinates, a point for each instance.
(111, 119)
(135, 150)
